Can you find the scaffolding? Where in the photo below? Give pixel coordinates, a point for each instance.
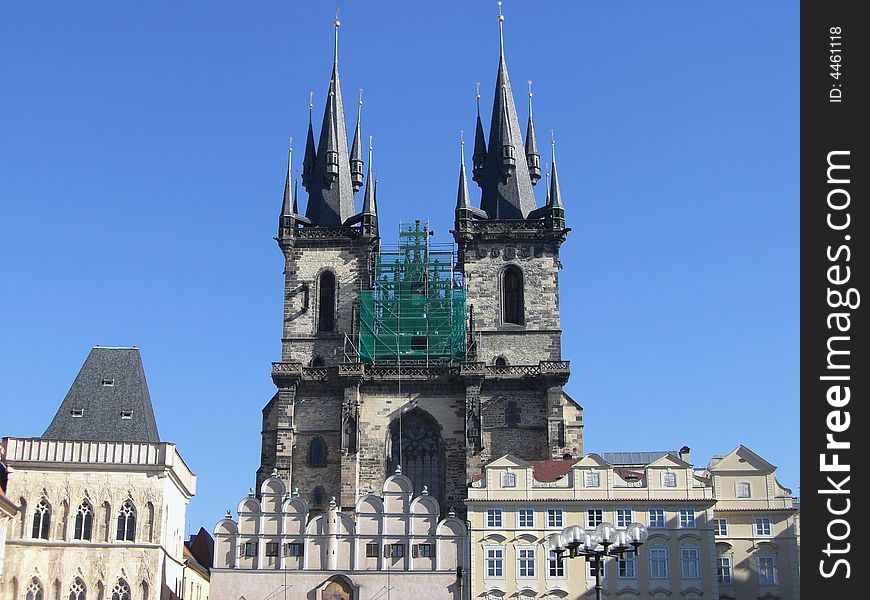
(415, 311)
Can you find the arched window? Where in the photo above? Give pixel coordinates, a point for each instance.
(145, 590)
(34, 590)
(84, 522)
(317, 496)
(500, 361)
(77, 590)
(416, 444)
(149, 523)
(512, 296)
(41, 520)
(121, 591)
(512, 414)
(317, 453)
(318, 361)
(126, 527)
(326, 301)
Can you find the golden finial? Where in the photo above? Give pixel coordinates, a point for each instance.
(290, 144)
(500, 16)
(530, 88)
(337, 23)
(500, 30)
(461, 137)
(360, 96)
(370, 143)
(477, 87)
(310, 100)
(553, 136)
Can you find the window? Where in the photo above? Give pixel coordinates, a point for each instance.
(555, 517)
(371, 550)
(656, 518)
(107, 382)
(317, 496)
(84, 524)
(658, 562)
(590, 568)
(624, 517)
(526, 561)
(326, 303)
(126, 414)
(512, 414)
(593, 479)
(687, 518)
(77, 413)
(525, 517)
(397, 550)
(493, 517)
(626, 567)
(126, 523)
(419, 342)
(77, 590)
(767, 570)
(271, 549)
(317, 453)
(495, 562)
(250, 549)
(689, 563)
(297, 549)
(723, 569)
(512, 296)
(763, 527)
(555, 565)
(41, 520)
(594, 517)
(720, 527)
(121, 591)
(423, 550)
(508, 480)
(318, 361)
(669, 479)
(500, 361)
(34, 590)
(744, 490)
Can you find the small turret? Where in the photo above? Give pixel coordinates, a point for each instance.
(356, 162)
(478, 157)
(533, 158)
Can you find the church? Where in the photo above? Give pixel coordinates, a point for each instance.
(435, 358)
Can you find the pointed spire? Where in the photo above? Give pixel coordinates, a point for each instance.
(462, 200)
(330, 189)
(533, 158)
(310, 151)
(296, 197)
(555, 193)
(507, 190)
(478, 157)
(369, 196)
(356, 162)
(287, 206)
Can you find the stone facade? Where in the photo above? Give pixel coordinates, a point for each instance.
(396, 541)
(76, 498)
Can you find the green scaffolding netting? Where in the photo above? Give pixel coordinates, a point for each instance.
(416, 309)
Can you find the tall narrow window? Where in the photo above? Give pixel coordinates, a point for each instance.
(326, 302)
(512, 414)
(77, 590)
(121, 591)
(317, 496)
(34, 590)
(41, 520)
(317, 453)
(84, 522)
(126, 525)
(512, 296)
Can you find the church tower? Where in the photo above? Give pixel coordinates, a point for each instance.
(421, 358)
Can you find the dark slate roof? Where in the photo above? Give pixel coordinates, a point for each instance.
(636, 458)
(111, 382)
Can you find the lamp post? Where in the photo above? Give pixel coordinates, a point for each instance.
(602, 542)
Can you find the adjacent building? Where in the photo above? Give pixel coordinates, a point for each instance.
(704, 542)
(395, 545)
(8, 511)
(101, 499)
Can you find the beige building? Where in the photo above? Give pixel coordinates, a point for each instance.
(8, 511)
(102, 500)
(755, 527)
(514, 505)
(394, 547)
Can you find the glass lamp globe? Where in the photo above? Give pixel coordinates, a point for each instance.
(573, 536)
(605, 532)
(620, 540)
(637, 533)
(554, 540)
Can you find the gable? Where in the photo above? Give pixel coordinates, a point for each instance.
(743, 459)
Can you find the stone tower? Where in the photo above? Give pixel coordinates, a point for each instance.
(370, 380)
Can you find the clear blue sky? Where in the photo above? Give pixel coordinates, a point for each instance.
(141, 161)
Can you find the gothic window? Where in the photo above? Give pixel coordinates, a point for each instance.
(22, 514)
(500, 361)
(77, 590)
(149, 523)
(121, 591)
(84, 524)
(512, 414)
(317, 496)
(326, 302)
(512, 296)
(318, 361)
(317, 453)
(126, 527)
(415, 444)
(34, 590)
(41, 520)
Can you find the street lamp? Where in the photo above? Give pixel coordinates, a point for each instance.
(602, 542)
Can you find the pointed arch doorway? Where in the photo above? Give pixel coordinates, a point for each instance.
(421, 454)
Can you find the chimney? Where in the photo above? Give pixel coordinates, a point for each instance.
(684, 454)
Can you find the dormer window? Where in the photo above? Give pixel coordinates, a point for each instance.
(126, 414)
(77, 412)
(669, 479)
(508, 479)
(593, 479)
(108, 382)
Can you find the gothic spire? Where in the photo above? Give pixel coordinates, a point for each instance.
(478, 157)
(310, 151)
(507, 189)
(356, 162)
(288, 205)
(462, 199)
(368, 207)
(555, 193)
(330, 194)
(533, 158)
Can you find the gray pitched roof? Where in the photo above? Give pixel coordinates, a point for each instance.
(111, 395)
(636, 458)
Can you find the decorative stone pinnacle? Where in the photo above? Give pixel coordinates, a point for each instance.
(274, 472)
(250, 492)
(425, 491)
(229, 514)
(451, 512)
(332, 504)
(296, 492)
(398, 469)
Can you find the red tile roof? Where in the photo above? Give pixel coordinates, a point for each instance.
(551, 470)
